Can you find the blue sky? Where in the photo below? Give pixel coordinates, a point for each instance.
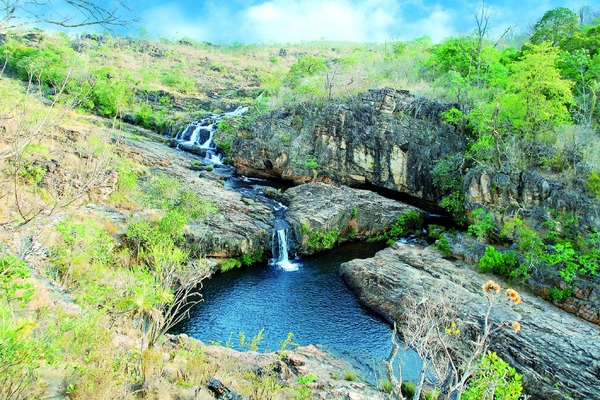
(285, 21)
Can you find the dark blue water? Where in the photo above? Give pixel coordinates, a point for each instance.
(312, 302)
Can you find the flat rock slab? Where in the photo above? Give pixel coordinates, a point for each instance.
(557, 353)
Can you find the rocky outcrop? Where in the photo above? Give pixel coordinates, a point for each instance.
(530, 195)
(557, 353)
(285, 366)
(385, 137)
(238, 227)
(345, 213)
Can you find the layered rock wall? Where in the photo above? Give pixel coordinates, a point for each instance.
(385, 137)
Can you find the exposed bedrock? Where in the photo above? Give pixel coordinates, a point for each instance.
(318, 209)
(557, 353)
(386, 138)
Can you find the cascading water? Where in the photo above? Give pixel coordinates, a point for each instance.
(201, 134)
(280, 246)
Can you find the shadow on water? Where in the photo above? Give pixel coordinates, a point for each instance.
(311, 301)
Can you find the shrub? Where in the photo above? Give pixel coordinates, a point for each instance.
(13, 273)
(560, 294)
(504, 264)
(483, 224)
(311, 163)
(497, 375)
(319, 240)
(407, 223)
(593, 184)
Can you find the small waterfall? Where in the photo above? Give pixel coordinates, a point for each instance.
(201, 133)
(280, 247)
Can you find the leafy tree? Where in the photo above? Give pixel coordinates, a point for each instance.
(555, 26)
(538, 98)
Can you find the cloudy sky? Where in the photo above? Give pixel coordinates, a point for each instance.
(284, 21)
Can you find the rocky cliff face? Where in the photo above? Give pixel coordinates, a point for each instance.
(530, 195)
(557, 353)
(385, 137)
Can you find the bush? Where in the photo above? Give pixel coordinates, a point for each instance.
(13, 273)
(320, 240)
(483, 224)
(407, 223)
(504, 264)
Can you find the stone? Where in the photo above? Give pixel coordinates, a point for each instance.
(557, 353)
(355, 214)
(386, 138)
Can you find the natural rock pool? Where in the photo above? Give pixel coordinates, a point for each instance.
(312, 302)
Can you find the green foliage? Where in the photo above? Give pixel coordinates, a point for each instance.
(385, 386)
(20, 354)
(555, 26)
(350, 375)
(13, 275)
(311, 163)
(483, 224)
(407, 223)
(593, 184)
(453, 117)
(572, 262)
(49, 65)
(253, 258)
(559, 294)
(304, 382)
(305, 67)
(167, 194)
(32, 173)
(110, 92)
(83, 248)
(505, 264)
(443, 245)
(537, 97)
(230, 264)
(321, 240)
(494, 379)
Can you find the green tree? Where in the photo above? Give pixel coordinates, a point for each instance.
(537, 96)
(555, 26)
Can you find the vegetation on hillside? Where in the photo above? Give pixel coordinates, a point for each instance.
(529, 108)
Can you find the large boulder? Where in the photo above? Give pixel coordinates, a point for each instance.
(385, 138)
(318, 209)
(557, 353)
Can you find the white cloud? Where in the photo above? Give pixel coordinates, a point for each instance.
(284, 21)
(438, 24)
(296, 20)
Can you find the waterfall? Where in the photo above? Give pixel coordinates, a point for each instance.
(280, 247)
(201, 133)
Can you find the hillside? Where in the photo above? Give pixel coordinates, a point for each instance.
(108, 231)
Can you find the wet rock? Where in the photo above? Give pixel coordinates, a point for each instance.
(557, 353)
